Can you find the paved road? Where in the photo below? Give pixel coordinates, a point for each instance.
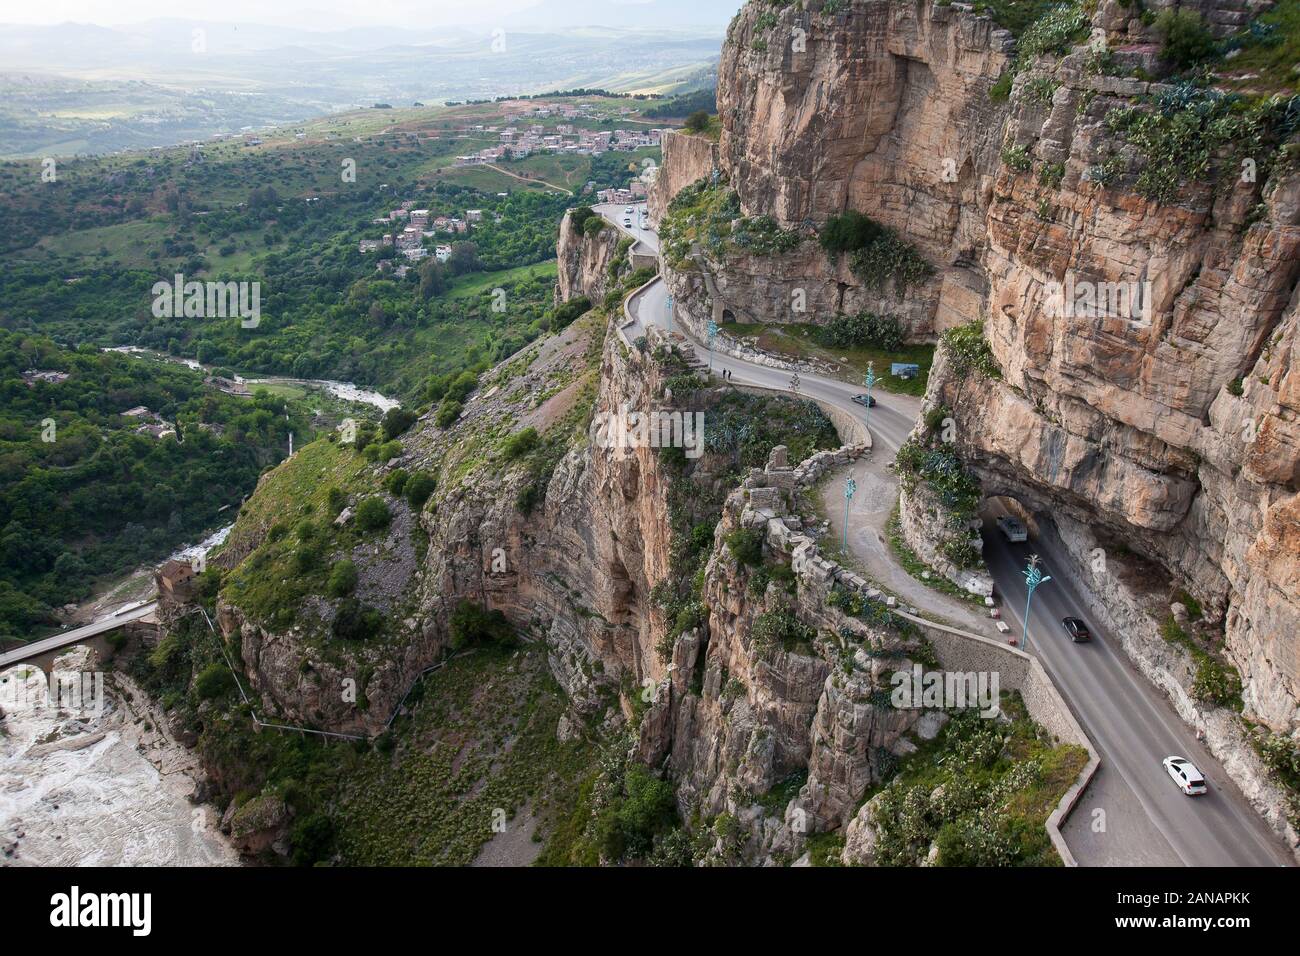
(890, 420)
(76, 634)
(614, 213)
(1147, 820)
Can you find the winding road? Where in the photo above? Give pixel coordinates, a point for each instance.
(1131, 813)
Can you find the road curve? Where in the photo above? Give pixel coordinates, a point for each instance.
(1146, 820)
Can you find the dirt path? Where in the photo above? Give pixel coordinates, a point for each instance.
(525, 179)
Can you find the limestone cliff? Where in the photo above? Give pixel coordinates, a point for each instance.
(584, 260)
(1173, 431)
(686, 158)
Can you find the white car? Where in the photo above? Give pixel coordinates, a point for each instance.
(628, 211)
(627, 223)
(1012, 528)
(1190, 780)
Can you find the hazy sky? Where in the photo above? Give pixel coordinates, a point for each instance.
(313, 14)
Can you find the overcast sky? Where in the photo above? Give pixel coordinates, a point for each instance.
(323, 14)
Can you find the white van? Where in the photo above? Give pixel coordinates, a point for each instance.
(1012, 529)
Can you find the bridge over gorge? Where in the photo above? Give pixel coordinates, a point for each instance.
(42, 653)
(174, 581)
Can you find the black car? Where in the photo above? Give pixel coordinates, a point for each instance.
(865, 399)
(1077, 630)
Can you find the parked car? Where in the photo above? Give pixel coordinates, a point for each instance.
(1190, 780)
(865, 399)
(1077, 630)
(1012, 528)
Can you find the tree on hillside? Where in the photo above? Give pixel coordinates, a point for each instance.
(698, 121)
(463, 258)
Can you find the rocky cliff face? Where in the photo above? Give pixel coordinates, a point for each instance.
(883, 108)
(760, 691)
(1176, 430)
(583, 261)
(686, 158)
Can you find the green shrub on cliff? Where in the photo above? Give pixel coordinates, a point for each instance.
(890, 260)
(848, 232)
(474, 624)
(708, 214)
(746, 544)
(578, 217)
(1184, 38)
(780, 628)
(698, 121)
(343, 579)
(1190, 134)
(863, 329)
(418, 489)
(879, 256)
(372, 514)
(1053, 32)
(968, 351)
(982, 791)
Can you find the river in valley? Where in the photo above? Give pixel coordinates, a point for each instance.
(95, 781)
(344, 391)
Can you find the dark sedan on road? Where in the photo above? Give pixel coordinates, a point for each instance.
(1077, 630)
(865, 399)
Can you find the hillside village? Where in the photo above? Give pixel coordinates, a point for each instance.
(566, 139)
(416, 225)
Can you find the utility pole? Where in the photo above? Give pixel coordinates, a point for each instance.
(869, 381)
(713, 331)
(668, 304)
(850, 486)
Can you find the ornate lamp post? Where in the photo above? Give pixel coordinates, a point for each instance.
(869, 381)
(1033, 578)
(850, 486)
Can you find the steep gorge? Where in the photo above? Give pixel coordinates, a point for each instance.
(1131, 433)
(1175, 434)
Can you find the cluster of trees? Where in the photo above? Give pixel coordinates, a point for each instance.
(83, 494)
(685, 105)
(863, 329)
(326, 312)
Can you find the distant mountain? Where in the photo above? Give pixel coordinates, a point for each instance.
(655, 14)
(74, 88)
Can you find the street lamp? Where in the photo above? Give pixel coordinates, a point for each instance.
(669, 306)
(850, 486)
(869, 381)
(1033, 577)
(713, 331)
